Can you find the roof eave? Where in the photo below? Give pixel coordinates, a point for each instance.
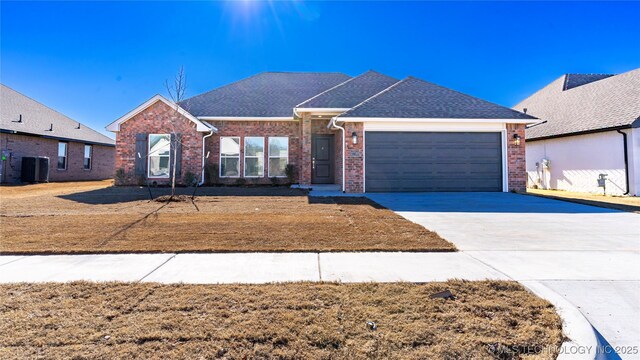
(428, 120)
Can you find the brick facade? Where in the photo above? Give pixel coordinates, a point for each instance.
(158, 118)
(155, 120)
(19, 146)
(266, 129)
(516, 160)
(354, 159)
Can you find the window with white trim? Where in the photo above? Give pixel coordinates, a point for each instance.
(253, 156)
(159, 154)
(88, 150)
(229, 156)
(62, 155)
(278, 156)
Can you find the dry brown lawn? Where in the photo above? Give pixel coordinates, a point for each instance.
(94, 217)
(487, 319)
(623, 203)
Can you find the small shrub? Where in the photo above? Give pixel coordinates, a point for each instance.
(120, 176)
(290, 171)
(190, 179)
(211, 174)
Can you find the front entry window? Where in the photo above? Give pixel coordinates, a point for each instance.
(159, 154)
(253, 156)
(229, 156)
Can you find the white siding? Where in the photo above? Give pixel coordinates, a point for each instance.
(576, 161)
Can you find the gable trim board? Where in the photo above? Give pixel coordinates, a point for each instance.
(200, 126)
(246, 118)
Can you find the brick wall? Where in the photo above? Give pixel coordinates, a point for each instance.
(266, 129)
(516, 160)
(354, 160)
(158, 118)
(25, 145)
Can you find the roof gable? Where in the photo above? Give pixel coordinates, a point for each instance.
(268, 94)
(607, 103)
(39, 119)
(574, 80)
(351, 92)
(415, 98)
(200, 126)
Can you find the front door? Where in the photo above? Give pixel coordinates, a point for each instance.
(322, 159)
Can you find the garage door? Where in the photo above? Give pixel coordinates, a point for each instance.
(433, 161)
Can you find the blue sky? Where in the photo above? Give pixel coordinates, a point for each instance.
(95, 61)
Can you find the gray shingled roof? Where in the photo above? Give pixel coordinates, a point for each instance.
(37, 119)
(574, 80)
(415, 98)
(603, 104)
(351, 92)
(268, 94)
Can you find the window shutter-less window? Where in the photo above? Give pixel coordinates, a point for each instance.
(141, 160)
(176, 139)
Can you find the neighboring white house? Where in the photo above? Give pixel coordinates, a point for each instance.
(590, 125)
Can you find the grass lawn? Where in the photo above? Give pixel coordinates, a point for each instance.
(623, 203)
(487, 319)
(94, 217)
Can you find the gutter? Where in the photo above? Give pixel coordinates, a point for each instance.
(333, 126)
(211, 131)
(626, 159)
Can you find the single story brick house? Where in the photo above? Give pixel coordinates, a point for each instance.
(369, 133)
(29, 129)
(591, 127)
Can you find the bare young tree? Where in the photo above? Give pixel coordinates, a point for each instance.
(176, 91)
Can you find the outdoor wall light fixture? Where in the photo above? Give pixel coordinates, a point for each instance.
(354, 138)
(516, 139)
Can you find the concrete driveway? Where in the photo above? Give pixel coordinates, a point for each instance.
(589, 255)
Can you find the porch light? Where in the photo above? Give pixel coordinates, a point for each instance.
(354, 138)
(516, 139)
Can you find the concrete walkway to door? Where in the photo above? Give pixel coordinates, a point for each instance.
(589, 255)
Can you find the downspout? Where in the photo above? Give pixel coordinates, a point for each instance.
(333, 126)
(626, 160)
(211, 131)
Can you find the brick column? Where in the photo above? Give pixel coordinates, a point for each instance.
(305, 140)
(516, 161)
(354, 160)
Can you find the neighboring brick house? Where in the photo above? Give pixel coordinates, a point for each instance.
(30, 129)
(368, 133)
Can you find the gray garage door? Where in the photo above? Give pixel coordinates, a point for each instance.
(433, 161)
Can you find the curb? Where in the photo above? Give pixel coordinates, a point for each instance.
(582, 342)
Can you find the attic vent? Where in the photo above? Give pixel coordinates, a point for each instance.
(78, 127)
(50, 128)
(19, 119)
(524, 110)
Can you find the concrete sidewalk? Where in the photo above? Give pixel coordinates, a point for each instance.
(246, 267)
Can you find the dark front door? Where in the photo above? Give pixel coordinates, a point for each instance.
(322, 159)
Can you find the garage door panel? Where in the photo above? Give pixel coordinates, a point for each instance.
(430, 161)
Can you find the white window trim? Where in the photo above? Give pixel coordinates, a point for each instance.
(66, 155)
(269, 157)
(149, 157)
(232, 157)
(244, 170)
(90, 157)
